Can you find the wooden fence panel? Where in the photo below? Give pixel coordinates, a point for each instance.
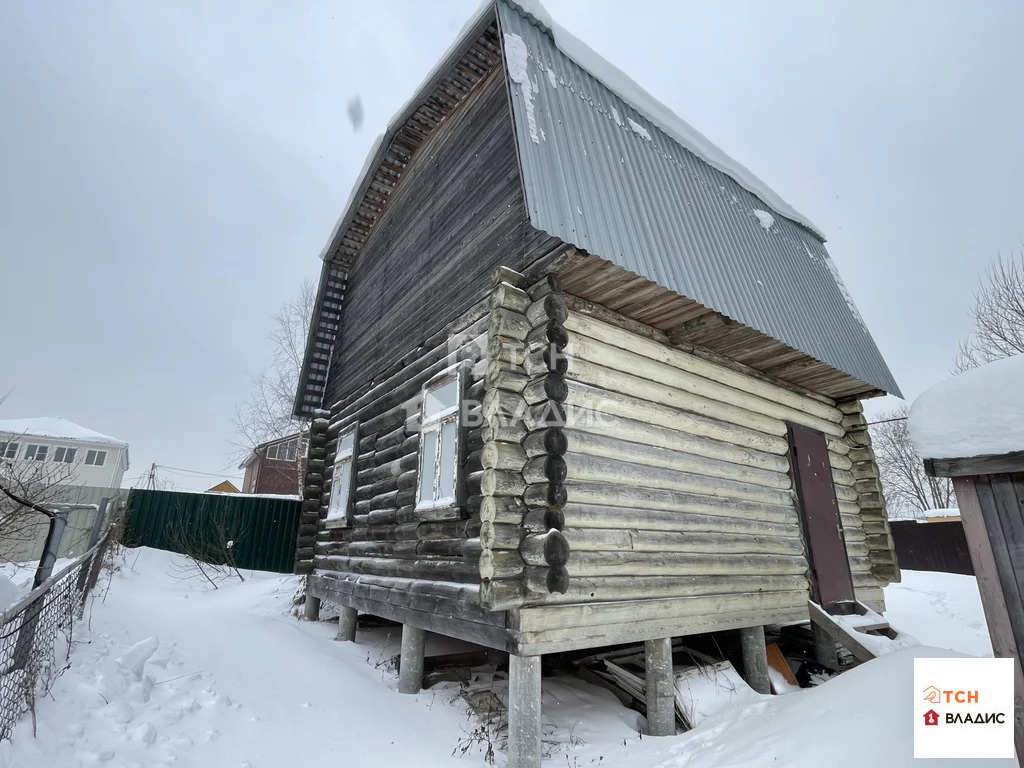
(939, 546)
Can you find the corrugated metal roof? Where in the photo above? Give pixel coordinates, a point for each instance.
(600, 175)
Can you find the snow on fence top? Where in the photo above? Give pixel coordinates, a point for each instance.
(978, 413)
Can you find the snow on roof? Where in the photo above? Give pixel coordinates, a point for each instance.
(978, 413)
(667, 120)
(57, 428)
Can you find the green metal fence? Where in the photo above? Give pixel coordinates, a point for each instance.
(250, 532)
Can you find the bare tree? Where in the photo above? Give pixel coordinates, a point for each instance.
(267, 412)
(998, 316)
(28, 491)
(908, 490)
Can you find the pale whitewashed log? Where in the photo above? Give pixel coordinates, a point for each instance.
(508, 296)
(502, 509)
(609, 334)
(571, 638)
(635, 497)
(550, 386)
(500, 430)
(584, 420)
(550, 548)
(843, 477)
(581, 442)
(500, 595)
(595, 469)
(549, 441)
(601, 401)
(500, 564)
(546, 579)
(500, 535)
(545, 468)
(656, 392)
(839, 461)
(628, 588)
(540, 618)
(498, 402)
(505, 350)
(496, 482)
(580, 516)
(502, 376)
(846, 493)
(510, 324)
(606, 540)
(680, 564)
(509, 456)
(508, 275)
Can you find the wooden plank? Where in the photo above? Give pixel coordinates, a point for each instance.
(976, 465)
(778, 662)
(451, 624)
(571, 639)
(536, 619)
(1001, 511)
(993, 597)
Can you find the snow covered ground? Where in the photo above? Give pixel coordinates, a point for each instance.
(175, 673)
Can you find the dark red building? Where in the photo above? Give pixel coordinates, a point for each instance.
(276, 466)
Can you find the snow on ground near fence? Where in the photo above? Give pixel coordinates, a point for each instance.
(173, 672)
(16, 579)
(977, 413)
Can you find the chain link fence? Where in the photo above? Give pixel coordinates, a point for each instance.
(36, 633)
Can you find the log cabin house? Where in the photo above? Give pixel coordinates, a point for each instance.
(576, 378)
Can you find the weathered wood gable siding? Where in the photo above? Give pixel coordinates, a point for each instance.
(457, 214)
(677, 503)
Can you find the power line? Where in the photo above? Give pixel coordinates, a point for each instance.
(886, 421)
(192, 471)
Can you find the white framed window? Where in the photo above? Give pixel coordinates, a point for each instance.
(64, 455)
(36, 452)
(343, 476)
(95, 458)
(285, 451)
(9, 450)
(439, 440)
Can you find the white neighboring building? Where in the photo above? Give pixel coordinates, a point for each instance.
(93, 459)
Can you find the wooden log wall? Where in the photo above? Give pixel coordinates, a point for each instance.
(313, 507)
(676, 476)
(880, 556)
(389, 542)
(522, 553)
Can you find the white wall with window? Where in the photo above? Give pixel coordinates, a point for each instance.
(343, 478)
(70, 453)
(439, 441)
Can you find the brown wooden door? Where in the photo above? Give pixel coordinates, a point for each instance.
(831, 579)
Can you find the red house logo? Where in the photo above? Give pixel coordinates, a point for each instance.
(931, 717)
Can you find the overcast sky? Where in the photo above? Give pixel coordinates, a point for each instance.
(171, 170)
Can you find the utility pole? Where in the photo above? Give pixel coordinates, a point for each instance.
(151, 478)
